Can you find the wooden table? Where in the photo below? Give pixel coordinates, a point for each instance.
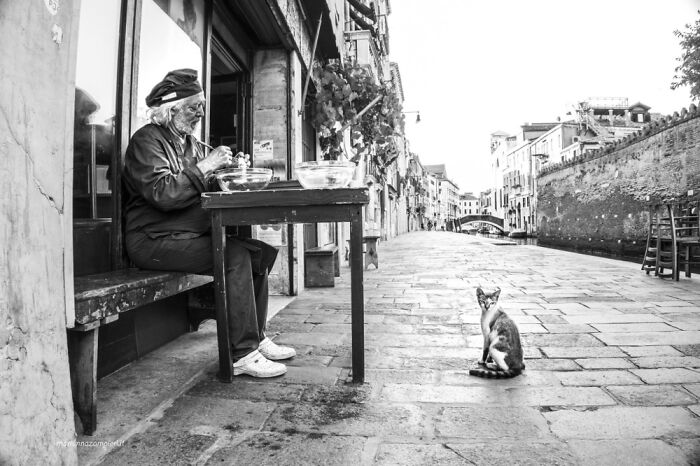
(290, 205)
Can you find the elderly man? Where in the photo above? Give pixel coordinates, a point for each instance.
(166, 169)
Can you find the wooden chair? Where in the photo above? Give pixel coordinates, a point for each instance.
(686, 216)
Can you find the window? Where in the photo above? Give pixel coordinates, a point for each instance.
(95, 108)
(94, 135)
(172, 37)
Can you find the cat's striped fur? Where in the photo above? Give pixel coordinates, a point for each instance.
(503, 354)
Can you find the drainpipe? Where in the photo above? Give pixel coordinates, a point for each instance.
(290, 226)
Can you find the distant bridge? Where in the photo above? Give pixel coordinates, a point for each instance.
(487, 219)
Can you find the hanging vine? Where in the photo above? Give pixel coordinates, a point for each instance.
(349, 97)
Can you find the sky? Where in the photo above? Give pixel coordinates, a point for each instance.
(473, 67)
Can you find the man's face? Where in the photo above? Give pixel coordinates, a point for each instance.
(187, 115)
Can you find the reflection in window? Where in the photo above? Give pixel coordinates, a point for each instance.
(172, 34)
(95, 103)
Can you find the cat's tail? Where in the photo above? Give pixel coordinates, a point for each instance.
(492, 374)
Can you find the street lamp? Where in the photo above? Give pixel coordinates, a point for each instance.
(417, 112)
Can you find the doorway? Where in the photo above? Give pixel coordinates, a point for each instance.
(229, 102)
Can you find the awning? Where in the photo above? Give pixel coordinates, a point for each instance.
(327, 41)
(367, 11)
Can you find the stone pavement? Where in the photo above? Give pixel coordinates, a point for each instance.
(612, 355)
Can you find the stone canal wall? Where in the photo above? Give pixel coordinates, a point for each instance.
(598, 203)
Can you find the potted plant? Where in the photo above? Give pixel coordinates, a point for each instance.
(348, 97)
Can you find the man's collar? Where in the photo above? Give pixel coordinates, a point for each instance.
(180, 137)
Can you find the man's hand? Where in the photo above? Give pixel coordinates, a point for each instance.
(221, 157)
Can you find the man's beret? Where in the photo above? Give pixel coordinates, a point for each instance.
(176, 85)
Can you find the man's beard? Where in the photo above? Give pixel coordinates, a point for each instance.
(184, 125)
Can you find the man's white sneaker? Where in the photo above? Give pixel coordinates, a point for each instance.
(257, 365)
(275, 352)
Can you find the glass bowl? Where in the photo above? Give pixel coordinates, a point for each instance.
(239, 179)
(326, 174)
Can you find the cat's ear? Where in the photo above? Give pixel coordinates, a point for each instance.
(479, 292)
(496, 294)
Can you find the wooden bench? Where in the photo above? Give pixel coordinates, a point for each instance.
(321, 266)
(99, 299)
(371, 254)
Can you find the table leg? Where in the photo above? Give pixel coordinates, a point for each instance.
(357, 298)
(218, 233)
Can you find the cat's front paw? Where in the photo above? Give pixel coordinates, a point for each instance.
(481, 362)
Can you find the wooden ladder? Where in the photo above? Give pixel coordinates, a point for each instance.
(661, 249)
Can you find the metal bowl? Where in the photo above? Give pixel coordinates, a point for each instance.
(239, 179)
(326, 174)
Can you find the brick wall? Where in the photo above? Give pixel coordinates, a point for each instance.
(598, 204)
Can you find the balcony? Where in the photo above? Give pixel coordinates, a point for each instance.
(363, 50)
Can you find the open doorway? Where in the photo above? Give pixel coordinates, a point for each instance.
(229, 102)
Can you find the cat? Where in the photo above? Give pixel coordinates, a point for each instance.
(503, 354)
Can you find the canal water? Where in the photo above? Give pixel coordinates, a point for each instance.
(529, 241)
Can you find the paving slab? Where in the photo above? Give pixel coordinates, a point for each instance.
(691, 337)
(693, 388)
(583, 352)
(650, 452)
(634, 327)
(645, 351)
(611, 318)
(688, 350)
(380, 376)
(667, 361)
(498, 423)
(481, 454)
(432, 352)
(561, 340)
(652, 395)
(290, 448)
(248, 389)
(605, 363)
(346, 418)
(568, 328)
(624, 423)
(667, 375)
(550, 318)
(421, 340)
(445, 394)
(528, 377)
(442, 364)
(531, 328)
(558, 396)
(160, 448)
(598, 378)
(547, 364)
(689, 446)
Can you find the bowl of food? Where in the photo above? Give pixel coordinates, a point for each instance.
(243, 179)
(325, 174)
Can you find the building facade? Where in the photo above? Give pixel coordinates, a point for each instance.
(446, 207)
(74, 97)
(516, 159)
(469, 205)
